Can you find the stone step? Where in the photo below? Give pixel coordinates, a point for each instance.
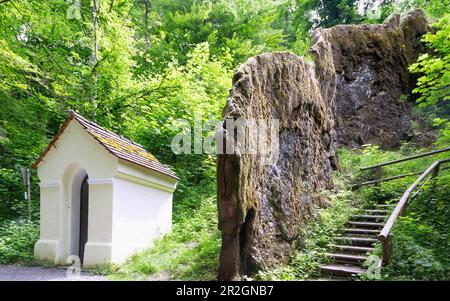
(342, 269)
(384, 206)
(329, 278)
(369, 217)
(360, 235)
(351, 249)
(373, 232)
(358, 241)
(371, 225)
(346, 257)
(376, 211)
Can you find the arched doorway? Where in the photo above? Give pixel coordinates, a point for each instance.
(84, 212)
(78, 208)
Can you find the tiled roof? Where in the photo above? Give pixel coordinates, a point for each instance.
(117, 145)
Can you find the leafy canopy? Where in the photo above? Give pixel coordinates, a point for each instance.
(434, 66)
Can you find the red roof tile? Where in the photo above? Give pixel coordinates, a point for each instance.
(117, 145)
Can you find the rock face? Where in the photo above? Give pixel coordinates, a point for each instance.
(262, 207)
(371, 65)
(350, 95)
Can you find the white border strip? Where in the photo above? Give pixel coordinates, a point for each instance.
(100, 181)
(50, 185)
(140, 181)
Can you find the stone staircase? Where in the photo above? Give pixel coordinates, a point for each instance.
(354, 243)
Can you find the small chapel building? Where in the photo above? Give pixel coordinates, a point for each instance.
(102, 196)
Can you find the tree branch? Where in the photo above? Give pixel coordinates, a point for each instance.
(111, 3)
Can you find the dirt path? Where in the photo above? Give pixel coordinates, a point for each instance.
(21, 273)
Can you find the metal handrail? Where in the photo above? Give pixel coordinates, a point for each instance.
(385, 235)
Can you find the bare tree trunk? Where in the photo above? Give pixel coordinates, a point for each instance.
(146, 39)
(94, 54)
(95, 43)
(286, 21)
(111, 3)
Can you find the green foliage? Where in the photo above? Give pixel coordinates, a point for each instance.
(141, 79)
(444, 135)
(333, 12)
(17, 241)
(434, 9)
(421, 238)
(352, 160)
(242, 27)
(379, 13)
(199, 87)
(434, 83)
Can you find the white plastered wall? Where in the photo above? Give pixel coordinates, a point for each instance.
(142, 209)
(75, 153)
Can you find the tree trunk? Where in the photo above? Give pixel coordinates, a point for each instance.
(111, 3)
(146, 40)
(94, 55)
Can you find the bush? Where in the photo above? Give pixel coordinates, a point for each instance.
(421, 238)
(416, 253)
(17, 241)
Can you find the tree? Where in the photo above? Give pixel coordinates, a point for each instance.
(327, 13)
(435, 9)
(434, 67)
(136, 65)
(333, 12)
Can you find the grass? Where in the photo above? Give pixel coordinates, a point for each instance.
(191, 252)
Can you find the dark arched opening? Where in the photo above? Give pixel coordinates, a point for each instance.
(84, 210)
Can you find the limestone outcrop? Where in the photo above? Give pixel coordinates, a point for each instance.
(371, 66)
(262, 207)
(350, 95)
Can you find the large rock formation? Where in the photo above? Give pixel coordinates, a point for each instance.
(262, 207)
(359, 74)
(371, 65)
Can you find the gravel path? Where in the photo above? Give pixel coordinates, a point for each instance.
(21, 273)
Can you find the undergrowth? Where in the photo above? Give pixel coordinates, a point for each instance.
(421, 241)
(17, 239)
